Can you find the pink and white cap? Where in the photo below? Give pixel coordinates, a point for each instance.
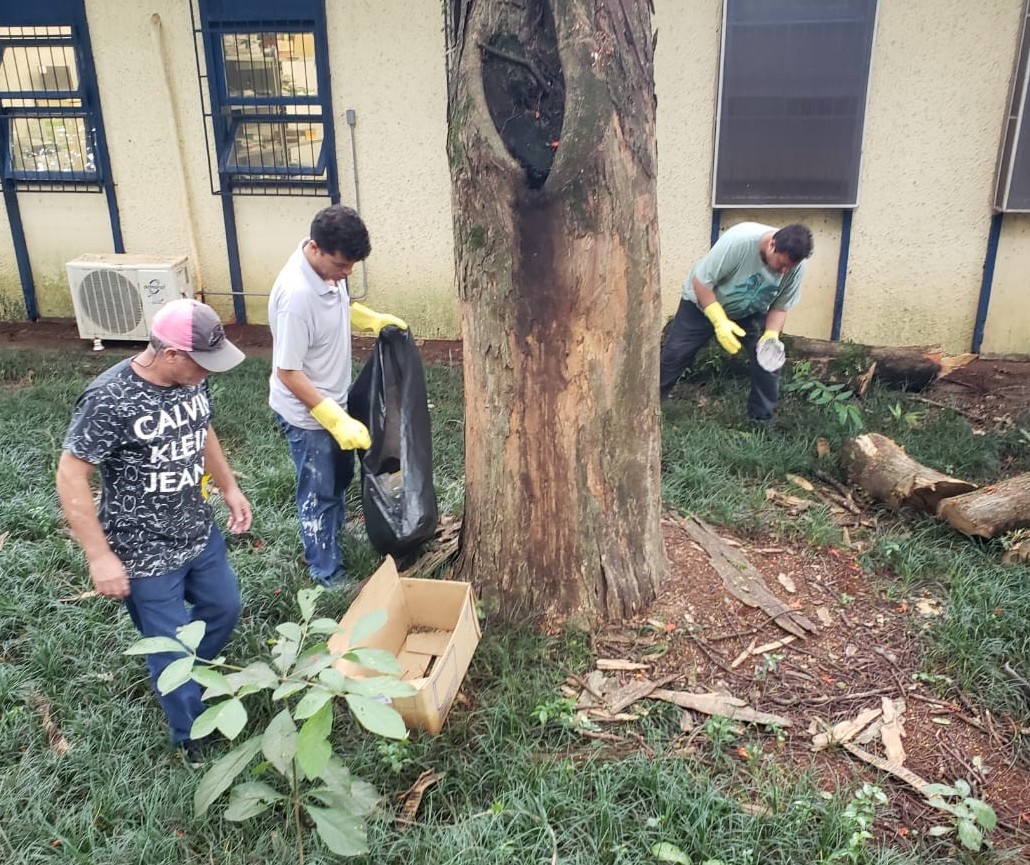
(193, 327)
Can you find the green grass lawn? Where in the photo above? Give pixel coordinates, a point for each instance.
(515, 790)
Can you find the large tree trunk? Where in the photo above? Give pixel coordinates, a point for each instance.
(551, 143)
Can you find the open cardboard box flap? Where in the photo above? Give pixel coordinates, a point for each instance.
(432, 628)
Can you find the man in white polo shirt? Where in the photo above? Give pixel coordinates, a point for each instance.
(311, 317)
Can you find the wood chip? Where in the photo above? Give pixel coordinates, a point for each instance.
(845, 730)
(799, 481)
(717, 704)
(892, 730)
(776, 644)
(823, 615)
(906, 775)
(744, 582)
(620, 664)
(787, 583)
(412, 798)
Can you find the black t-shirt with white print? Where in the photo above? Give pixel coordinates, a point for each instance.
(148, 443)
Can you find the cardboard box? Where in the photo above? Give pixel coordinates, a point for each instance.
(432, 628)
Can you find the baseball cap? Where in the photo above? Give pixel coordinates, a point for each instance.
(193, 327)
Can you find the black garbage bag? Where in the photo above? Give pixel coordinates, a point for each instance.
(397, 493)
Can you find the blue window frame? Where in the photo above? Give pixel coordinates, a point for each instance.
(269, 100)
(50, 127)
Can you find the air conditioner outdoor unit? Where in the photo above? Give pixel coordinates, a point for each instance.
(116, 296)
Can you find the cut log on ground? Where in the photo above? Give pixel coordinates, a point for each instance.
(906, 367)
(992, 510)
(881, 467)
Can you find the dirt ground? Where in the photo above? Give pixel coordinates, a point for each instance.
(864, 650)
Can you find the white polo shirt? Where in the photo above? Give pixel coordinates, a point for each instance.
(310, 323)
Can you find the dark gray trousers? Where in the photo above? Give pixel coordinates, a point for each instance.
(690, 331)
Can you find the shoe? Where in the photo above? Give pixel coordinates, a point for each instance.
(192, 751)
(336, 581)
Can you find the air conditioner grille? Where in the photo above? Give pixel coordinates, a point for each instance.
(110, 301)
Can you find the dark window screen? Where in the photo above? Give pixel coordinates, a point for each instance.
(1013, 191)
(792, 102)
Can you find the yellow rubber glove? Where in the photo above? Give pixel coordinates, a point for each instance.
(770, 352)
(350, 434)
(726, 331)
(363, 318)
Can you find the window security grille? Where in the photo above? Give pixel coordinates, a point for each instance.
(266, 101)
(47, 126)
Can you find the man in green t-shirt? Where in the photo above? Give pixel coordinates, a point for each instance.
(740, 292)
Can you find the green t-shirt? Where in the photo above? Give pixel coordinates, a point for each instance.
(742, 283)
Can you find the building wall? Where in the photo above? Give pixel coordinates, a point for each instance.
(937, 97)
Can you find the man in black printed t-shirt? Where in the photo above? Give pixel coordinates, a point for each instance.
(145, 424)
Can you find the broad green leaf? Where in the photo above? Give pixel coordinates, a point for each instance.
(222, 773)
(313, 748)
(290, 630)
(215, 684)
(279, 743)
(366, 625)
(175, 674)
(366, 798)
(377, 718)
(232, 719)
(215, 718)
(666, 852)
(153, 645)
(381, 686)
(963, 787)
(983, 812)
(250, 799)
(306, 600)
(311, 702)
(341, 790)
(287, 689)
(970, 835)
(937, 790)
(334, 680)
(343, 834)
(190, 635)
(313, 660)
(375, 659)
(285, 653)
(324, 626)
(258, 674)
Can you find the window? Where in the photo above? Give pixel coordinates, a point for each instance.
(1013, 178)
(48, 129)
(792, 97)
(269, 106)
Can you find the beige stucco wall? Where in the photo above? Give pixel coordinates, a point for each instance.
(937, 98)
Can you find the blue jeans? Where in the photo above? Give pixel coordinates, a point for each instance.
(324, 472)
(690, 331)
(157, 606)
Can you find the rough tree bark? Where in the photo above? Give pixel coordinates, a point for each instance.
(551, 144)
(992, 510)
(881, 467)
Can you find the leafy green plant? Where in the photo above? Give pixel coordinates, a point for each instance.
(835, 397)
(720, 731)
(561, 710)
(859, 815)
(911, 419)
(299, 773)
(973, 818)
(395, 754)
